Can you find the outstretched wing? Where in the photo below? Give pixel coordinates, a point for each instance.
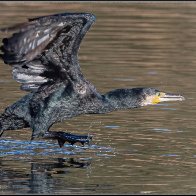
(45, 49)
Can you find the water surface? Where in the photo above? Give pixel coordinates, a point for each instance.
(146, 150)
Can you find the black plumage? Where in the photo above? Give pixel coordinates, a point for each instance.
(43, 55)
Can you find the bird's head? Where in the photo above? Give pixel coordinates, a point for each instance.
(137, 97)
(151, 96)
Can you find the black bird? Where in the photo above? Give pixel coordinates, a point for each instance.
(43, 55)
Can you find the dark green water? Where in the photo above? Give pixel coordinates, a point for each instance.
(147, 150)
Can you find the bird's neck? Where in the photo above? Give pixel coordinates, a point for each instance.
(120, 99)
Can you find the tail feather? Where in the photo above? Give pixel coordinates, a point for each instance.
(11, 122)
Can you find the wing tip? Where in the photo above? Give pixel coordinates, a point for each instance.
(16, 27)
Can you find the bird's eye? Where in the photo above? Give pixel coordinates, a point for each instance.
(158, 94)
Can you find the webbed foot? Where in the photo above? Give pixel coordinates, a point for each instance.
(63, 137)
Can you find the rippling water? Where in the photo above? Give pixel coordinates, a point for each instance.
(145, 150)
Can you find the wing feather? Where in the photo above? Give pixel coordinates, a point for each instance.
(45, 49)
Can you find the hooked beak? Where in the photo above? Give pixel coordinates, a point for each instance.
(170, 97)
(162, 97)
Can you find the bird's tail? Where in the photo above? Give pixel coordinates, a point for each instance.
(11, 122)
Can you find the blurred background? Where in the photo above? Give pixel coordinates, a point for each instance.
(147, 150)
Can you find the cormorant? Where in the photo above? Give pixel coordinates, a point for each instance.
(43, 55)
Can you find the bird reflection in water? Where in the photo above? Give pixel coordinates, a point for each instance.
(40, 178)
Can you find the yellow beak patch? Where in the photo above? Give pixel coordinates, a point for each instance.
(156, 99)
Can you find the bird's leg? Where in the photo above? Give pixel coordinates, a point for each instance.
(1, 132)
(63, 137)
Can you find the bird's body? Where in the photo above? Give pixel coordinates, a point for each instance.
(43, 55)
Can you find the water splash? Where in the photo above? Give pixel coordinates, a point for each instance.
(42, 148)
